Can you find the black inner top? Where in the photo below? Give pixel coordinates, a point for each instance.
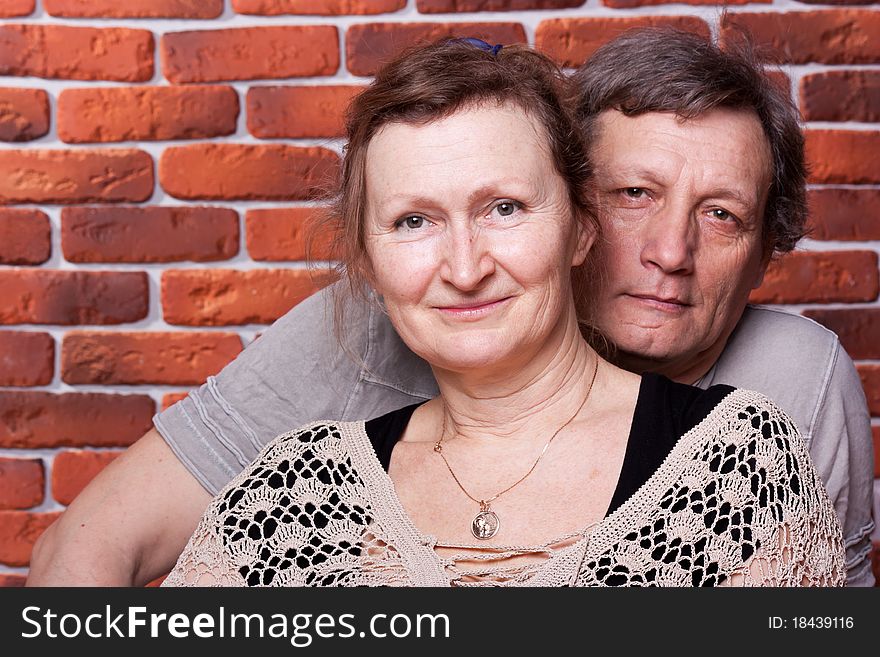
(664, 412)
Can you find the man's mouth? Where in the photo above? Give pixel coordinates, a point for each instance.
(665, 304)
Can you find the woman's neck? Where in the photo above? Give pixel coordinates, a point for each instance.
(524, 400)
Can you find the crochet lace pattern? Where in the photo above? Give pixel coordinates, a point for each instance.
(736, 502)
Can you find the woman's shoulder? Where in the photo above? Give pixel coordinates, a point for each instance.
(298, 453)
(670, 408)
(689, 406)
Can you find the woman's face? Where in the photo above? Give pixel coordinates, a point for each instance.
(471, 237)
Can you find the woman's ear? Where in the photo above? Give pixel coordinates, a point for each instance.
(586, 236)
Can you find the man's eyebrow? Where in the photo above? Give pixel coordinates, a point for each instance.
(727, 193)
(632, 171)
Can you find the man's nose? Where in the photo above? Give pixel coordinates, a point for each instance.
(467, 260)
(668, 241)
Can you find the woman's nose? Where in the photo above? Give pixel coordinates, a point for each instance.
(467, 261)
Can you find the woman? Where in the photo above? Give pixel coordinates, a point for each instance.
(463, 209)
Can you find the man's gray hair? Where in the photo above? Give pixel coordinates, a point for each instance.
(667, 70)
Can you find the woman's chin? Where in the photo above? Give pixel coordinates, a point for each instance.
(475, 357)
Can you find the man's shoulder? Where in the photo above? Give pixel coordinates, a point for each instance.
(780, 330)
(774, 341)
(786, 357)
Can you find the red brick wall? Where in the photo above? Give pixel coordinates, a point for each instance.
(158, 158)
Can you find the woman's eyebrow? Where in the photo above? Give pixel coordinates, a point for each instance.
(498, 188)
(408, 199)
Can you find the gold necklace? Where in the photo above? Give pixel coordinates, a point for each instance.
(486, 523)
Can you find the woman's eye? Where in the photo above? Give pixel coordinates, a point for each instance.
(411, 222)
(506, 208)
(634, 192)
(720, 214)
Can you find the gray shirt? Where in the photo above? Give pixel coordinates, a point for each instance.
(296, 373)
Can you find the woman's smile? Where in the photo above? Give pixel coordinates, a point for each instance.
(474, 310)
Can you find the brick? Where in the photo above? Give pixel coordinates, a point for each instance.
(27, 358)
(25, 237)
(811, 277)
(841, 96)
(73, 470)
(779, 78)
(857, 328)
(13, 8)
(572, 40)
(844, 214)
(76, 53)
(843, 156)
(250, 53)
(238, 171)
(221, 297)
(72, 297)
(876, 432)
(35, 420)
(75, 176)
(316, 7)
(837, 2)
(134, 8)
(834, 36)
(19, 530)
(146, 113)
(369, 46)
(450, 6)
(870, 376)
(298, 112)
(626, 4)
(24, 114)
(171, 398)
(875, 562)
(161, 358)
(21, 483)
(156, 582)
(148, 234)
(282, 234)
(12, 581)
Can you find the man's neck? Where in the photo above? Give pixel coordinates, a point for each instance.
(689, 369)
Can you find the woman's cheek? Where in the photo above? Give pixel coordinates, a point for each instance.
(404, 270)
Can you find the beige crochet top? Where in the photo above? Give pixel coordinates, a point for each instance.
(736, 502)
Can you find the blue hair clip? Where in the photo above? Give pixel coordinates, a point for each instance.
(482, 45)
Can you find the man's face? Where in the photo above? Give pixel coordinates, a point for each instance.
(681, 205)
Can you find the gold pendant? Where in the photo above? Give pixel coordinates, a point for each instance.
(486, 523)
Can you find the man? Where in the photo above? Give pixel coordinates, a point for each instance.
(699, 180)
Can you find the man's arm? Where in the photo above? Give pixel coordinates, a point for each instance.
(132, 521)
(841, 446)
(127, 527)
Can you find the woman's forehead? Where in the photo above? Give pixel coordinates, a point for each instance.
(500, 136)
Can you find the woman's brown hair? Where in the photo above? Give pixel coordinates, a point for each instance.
(431, 82)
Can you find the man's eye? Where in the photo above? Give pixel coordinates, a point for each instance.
(634, 192)
(723, 215)
(411, 222)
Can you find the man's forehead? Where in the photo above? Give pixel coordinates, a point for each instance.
(654, 143)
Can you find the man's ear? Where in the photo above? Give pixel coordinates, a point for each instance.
(766, 258)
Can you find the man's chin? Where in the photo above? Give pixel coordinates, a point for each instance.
(644, 355)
